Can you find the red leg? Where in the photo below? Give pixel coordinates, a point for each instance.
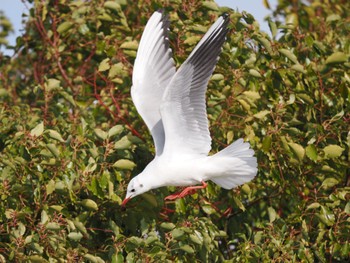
(187, 191)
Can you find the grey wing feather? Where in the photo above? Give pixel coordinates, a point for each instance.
(183, 108)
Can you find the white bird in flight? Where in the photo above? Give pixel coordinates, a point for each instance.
(172, 104)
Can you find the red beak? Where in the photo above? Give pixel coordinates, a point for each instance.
(125, 201)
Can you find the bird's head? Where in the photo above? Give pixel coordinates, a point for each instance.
(136, 187)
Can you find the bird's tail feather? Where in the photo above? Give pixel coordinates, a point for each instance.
(238, 165)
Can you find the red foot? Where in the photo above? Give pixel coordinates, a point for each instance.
(187, 191)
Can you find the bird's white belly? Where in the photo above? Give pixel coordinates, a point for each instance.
(181, 172)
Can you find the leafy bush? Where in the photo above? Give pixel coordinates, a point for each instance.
(71, 139)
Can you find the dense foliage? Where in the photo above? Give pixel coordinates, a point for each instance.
(71, 139)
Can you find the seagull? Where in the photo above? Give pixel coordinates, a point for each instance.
(173, 106)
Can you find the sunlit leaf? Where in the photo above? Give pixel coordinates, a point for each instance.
(188, 249)
(63, 27)
(289, 54)
(75, 236)
(112, 5)
(329, 182)
(55, 135)
(298, 150)
(337, 57)
(104, 65)
(101, 134)
(261, 114)
(311, 152)
(89, 204)
(333, 151)
(177, 233)
(124, 164)
(272, 214)
(38, 130)
(210, 5)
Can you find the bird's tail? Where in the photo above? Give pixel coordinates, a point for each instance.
(238, 165)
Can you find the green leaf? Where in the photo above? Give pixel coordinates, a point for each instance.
(298, 68)
(104, 65)
(229, 137)
(196, 238)
(289, 54)
(347, 208)
(208, 209)
(261, 114)
(67, 97)
(105, 17)
(258, 237)
(192, 40)
(55, 135)
(266, 144)
(89, 204)
(133, 45)
(80, 226)
(177, 233)
(298, 150)
(333, 151)
(167, 226)
(50, 187)
(273, 27)
(124, 164)
(117, 70)
(123, 143)
(266, 43)
(272, 214)
(329, 183)
(38, 130)
(239, 203)
(83, 29)
(313, 206)
(255, 73)
(333, 17)
(187, 248)
(63, 27)
(53, 149)
(57, 208)
(53, 226)
(101, 134)
(337, 57)
(217, 77)
(75, 236)
(210, 5)
(44, 217)
(118, 258)
(244, 104)
(112, 5)
(311, 152)
(246, 189)
(326, 216)
(115, 130)
(252, 95)
(36, 259)
(93, 259)
(53, 84)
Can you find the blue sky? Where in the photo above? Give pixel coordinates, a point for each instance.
(14, 8)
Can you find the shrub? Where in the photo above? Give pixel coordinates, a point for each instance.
(71, 139)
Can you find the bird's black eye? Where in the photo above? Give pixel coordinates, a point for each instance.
(141, 185)
(132, 190)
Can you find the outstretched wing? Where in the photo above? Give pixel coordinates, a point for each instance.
(153, 70)
(183, 108)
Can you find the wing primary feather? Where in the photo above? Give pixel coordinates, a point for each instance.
(153, 70)
(183, 108)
